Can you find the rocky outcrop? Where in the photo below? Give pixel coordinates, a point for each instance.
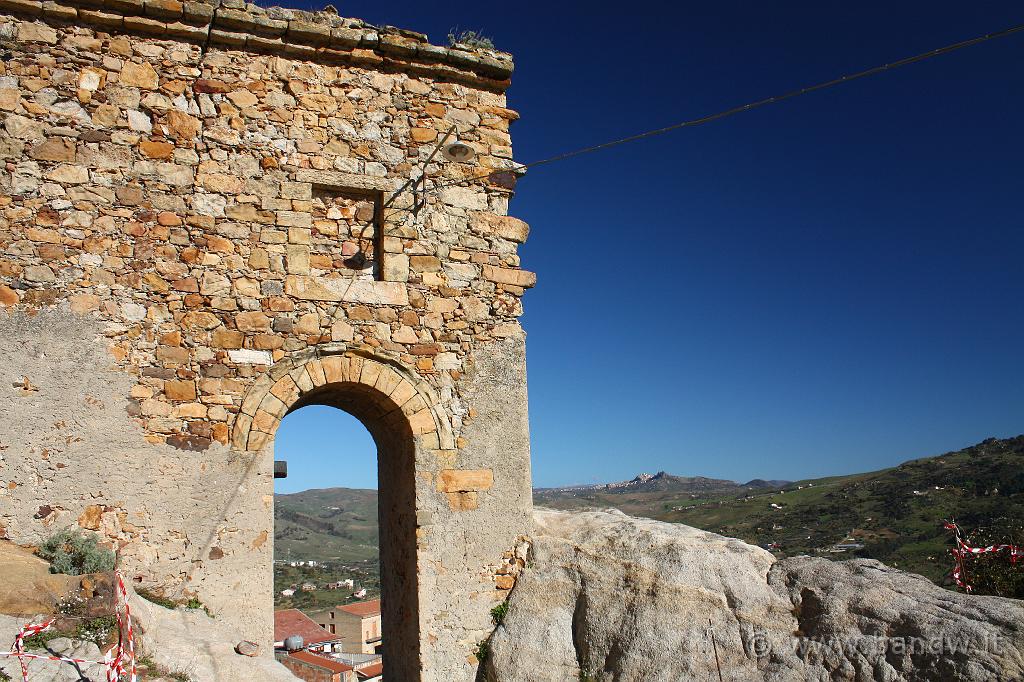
(175, 643)
(28, 586)
(188, 641)
(609, 597)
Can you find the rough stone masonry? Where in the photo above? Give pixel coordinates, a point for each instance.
(206, 222)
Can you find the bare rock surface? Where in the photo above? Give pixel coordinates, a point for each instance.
(609, 597)
(182, 642)
(188, 641)
(29, 587)
(49, 671)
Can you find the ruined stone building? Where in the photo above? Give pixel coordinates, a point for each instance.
(207, 222)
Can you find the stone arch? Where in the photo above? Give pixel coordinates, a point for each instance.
(292, 380)
(403, 416)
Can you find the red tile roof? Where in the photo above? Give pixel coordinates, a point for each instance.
(288, 622)
(362, 608)
(320, 661)
(370, 670)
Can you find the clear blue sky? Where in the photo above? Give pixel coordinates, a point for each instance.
(828, 285)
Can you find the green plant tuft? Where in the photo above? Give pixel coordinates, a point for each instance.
(151, 667)
(99, 631)
(194, 603)
(470, 38)
(73, 552)
(498, 613)
(483, 650)
(41, 640)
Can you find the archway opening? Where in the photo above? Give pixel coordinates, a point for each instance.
(362, 585)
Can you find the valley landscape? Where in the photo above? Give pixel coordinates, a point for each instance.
(337, 529)
(894, 515)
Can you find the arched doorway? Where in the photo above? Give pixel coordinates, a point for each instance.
(326, 532)
(396, 514)
(400, 414)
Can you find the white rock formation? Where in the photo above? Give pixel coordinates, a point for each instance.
(611, 597)
(190, 642)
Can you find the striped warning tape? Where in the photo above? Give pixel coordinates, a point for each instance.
(964, 549)
(118, 665)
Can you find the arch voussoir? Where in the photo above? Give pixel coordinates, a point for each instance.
(370, 372)
(285, 390)
(316, 373)
(355, 368)
(289, 381)
(403, 393)
(422, 422)
(302, 379)
(413, 405)
(335, 369)
(387, 381)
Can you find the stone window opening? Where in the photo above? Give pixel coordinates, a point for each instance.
(347, 232)
(393, 436)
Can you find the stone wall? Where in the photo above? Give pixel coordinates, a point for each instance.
(206, 222)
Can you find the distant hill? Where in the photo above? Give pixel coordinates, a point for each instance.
(893, 515)
(326, 523)
(659, 482)
(647, 492)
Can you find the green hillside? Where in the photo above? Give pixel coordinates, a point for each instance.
(337, 528)
(326, 524)
(895, 513)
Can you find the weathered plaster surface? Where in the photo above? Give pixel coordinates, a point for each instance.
(73, 456)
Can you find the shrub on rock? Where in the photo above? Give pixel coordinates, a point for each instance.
(73, 552)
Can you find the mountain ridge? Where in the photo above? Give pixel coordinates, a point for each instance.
(664, 481)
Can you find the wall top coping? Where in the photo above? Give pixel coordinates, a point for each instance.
(316, 36)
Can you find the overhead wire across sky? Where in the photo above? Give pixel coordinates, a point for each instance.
(519, 168)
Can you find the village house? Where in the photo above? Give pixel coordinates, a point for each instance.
(358, 626)
(357, 661)
(292, 622)
(319, 657)
(370, 672)
(348, 583)
(316, 668)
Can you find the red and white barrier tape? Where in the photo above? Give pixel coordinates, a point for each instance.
(118, 665)
(964, 549)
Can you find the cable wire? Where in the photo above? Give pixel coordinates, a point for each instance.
(518, 168)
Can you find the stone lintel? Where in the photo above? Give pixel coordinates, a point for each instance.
(344, 181)
(337, 290)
